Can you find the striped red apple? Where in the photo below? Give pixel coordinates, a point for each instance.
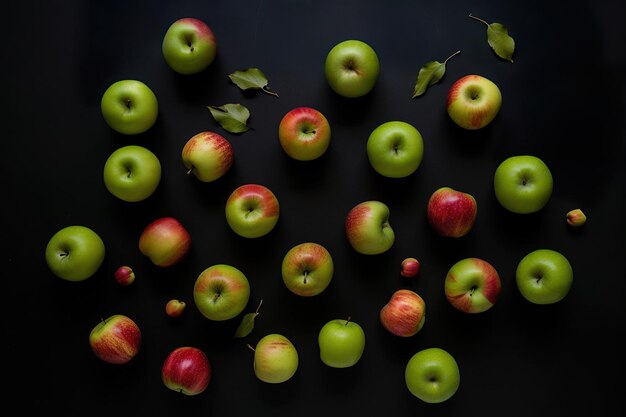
(404, 314)
(187, 370)
(208, 156)
(115, 340)
(450, 212)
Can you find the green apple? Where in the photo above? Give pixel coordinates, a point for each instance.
(129, 107)
(75, 253)
(341, 343)
(432, 375)
(252, 210)
(395, 149)
(544, 276)
(132, 173)
(275, 359)
(368, 229)
(189, 46)
(523, 184)
(473, 101)
(352, 68)
(221, 292)
(307, 269)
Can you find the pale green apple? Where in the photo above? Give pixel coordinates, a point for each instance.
(523, 184)
(307, 269)
(189, 46)
(132, 173)
(432, 375)
(352, 68)
(221, 292)
(473, 102)
(75, 253)
(544, 276)
(275, 359)
(395, 149)
(129, 107)
(341, 343)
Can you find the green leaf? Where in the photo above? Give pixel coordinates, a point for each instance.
(251, 78)
(430, 73)
(498, 39)
(232, 117)
(247, 323)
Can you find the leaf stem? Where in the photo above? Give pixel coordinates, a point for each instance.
(257, 309)
(479, 19)
(250, 347)
(454, 54)
(269, 92)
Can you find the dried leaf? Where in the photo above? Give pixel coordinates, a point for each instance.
(498, 39)
(247, 323)
(430, 73)
(251, 78)
(232, 117)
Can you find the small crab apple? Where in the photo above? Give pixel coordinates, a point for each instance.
(410, 267)
(124, 275)
(175, 308)
(576, 218)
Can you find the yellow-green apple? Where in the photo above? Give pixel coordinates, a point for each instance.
(252, 210)
(523, 184)
(124, 275)
(395, 149)
(307, 269)
(187, 370)
(341, 343)
(368, 229)
(544, 276)
(404, 314)
(450, 212)
(208, 156)
(304, 133)
(75, 253)
(132, 173)
(165, 241)
(175, 307)
(115, 340)
(129, 107)
(275, 359)
(221, 292)
(576, 218)
(409, 267)
(432, 375)
(472, 285)
(189, 46)
(473, 101)
(352, 68)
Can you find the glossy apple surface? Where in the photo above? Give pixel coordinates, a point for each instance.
(304, 133)
(165, 241)
(124, 275)
(75, 253)
(395, 149)
(341, 343)
(186, 370)
(523, 184)
(368, 229)
(116, 340)
(189, 46)
(352, 68)
(208, 156)
(129, 107)
(307, 269)
(252, 210)
(221, 292)
(132, 173)
(404, 314)
(409, 267)
(451, 213)
(544, 276)
(275, 359)
(472, 285)
(432, 375)
(473, 102)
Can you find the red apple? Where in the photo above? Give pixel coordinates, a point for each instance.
(165, 241)
(124, 275)
(472, 285)
(186, 370)
(409, 267)
(115, 340)
(208, 156)
(304, 133)
(404, 314)
(451, 213)
(175, 308)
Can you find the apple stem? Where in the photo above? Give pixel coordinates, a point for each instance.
(269, 92)
(480, 20)
(250, 347)
(348, 320)
(189, 170)
(306, 273)
(448, 58)
(216, 296)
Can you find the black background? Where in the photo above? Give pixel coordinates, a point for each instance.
(563, 101)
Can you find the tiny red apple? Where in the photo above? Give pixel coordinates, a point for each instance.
(409, 267)
(175, 308)
(124, 275)
(186, 370)
(115, 340)
(576, 218)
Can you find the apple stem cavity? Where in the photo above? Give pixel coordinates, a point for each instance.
(479, 19)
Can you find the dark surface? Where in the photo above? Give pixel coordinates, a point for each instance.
(563, 100)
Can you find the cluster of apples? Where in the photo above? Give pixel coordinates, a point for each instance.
(395, 149)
